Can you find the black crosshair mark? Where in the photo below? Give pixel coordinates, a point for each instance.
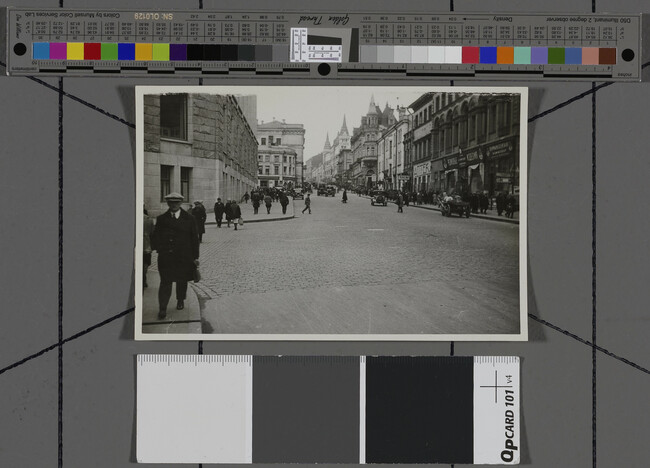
(20, 49)
(627, 55)
(324, 69)
(495, 386)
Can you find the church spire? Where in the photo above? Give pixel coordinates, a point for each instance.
(327, 142)
(372, 109)
(344, 127)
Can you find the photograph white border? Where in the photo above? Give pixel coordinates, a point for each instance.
(140, 91)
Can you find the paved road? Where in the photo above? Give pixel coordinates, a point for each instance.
(357, 269)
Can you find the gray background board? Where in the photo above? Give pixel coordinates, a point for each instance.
(98, 371)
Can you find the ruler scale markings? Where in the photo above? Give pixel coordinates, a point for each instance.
(400, 36)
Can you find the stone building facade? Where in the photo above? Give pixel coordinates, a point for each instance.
(199, 145)
(280, 153)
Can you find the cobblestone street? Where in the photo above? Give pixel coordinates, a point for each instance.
(357, 269)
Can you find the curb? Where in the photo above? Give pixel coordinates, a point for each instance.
(480, 216)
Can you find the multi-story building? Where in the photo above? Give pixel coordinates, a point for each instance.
(280, 158)
(464, 142)
(390, 149)
(364, 143)
(199, 145)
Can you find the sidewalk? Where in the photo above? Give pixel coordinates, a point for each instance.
(261, 216)
(187, 320)
(491, 214)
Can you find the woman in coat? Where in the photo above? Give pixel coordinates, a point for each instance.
(236, 213)
(228, 211)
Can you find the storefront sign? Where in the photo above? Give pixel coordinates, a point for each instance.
(403, 177)
(422, 131)
(500, 150)
(422, 169)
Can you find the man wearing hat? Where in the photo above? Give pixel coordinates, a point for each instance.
(176, 239)
(200, 216)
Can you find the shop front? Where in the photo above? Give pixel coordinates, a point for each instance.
(421, 176)
(502, 168)
(463, 172)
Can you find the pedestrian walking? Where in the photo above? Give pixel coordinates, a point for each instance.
(483, 201)
(400, 203)
(307, 204)
(406, 198)
(344, 197)
(176, 240)
(236, 213)
(419, 198)
(510, 207)
(228, 211)
(256, 202)
(218, 211)
(199, 216)
(501, 203)
(246, 197)
(268, 201)
(284, 201)
(146, 246)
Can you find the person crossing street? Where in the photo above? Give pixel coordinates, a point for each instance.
(307, 204)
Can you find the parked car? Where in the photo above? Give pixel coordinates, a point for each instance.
(378, 197)
(330, 191)
(297, 194)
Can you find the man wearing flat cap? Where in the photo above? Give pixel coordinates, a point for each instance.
(176, 239)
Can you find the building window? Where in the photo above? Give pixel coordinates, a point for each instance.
(259, 170)
(493, 119)
(270, 140)
(263, 141)
(276, 170)
(284, 159)
(267, 158)
(186, 176)
(266, 170)
(165, 181)
(278, 142)
(284, 170)
(276, 158)
(173, 116)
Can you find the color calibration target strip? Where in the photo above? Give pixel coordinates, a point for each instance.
(337, 45)
(270, 409)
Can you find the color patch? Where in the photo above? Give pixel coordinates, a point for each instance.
(264, 53)
(160, 52)
(109, 51)
(306, 413)
(126, 51)
(607, 56)
(471, 55)
(143, 52)
(58, 51)
(419, 54)
(411, 404)
(488, 55)
(522, 55)
(590, 56)
(178, 52)
(539, 55)
(436, 54)
(403, 54)
(368, 54)
(229, 53)
(453, 54)
(505, 55)
(556, 55)
(212, 52)
(92, 51)
(246, 53)
(385, 54)
(194, 52)
(280, 53)
(75, 50)
(41, 51)
(573, 56)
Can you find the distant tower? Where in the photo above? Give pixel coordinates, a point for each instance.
(344, 127)
(327, 142)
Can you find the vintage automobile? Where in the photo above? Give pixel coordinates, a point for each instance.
(297, 194)
(330, 191)
(378, 197)
(457, 205)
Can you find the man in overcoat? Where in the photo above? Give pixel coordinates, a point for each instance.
(176, 239)
(218, 211)
(200, 217)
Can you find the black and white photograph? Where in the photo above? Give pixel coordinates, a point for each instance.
(331, 213)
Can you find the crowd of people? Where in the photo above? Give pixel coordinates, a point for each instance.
(480, 201)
